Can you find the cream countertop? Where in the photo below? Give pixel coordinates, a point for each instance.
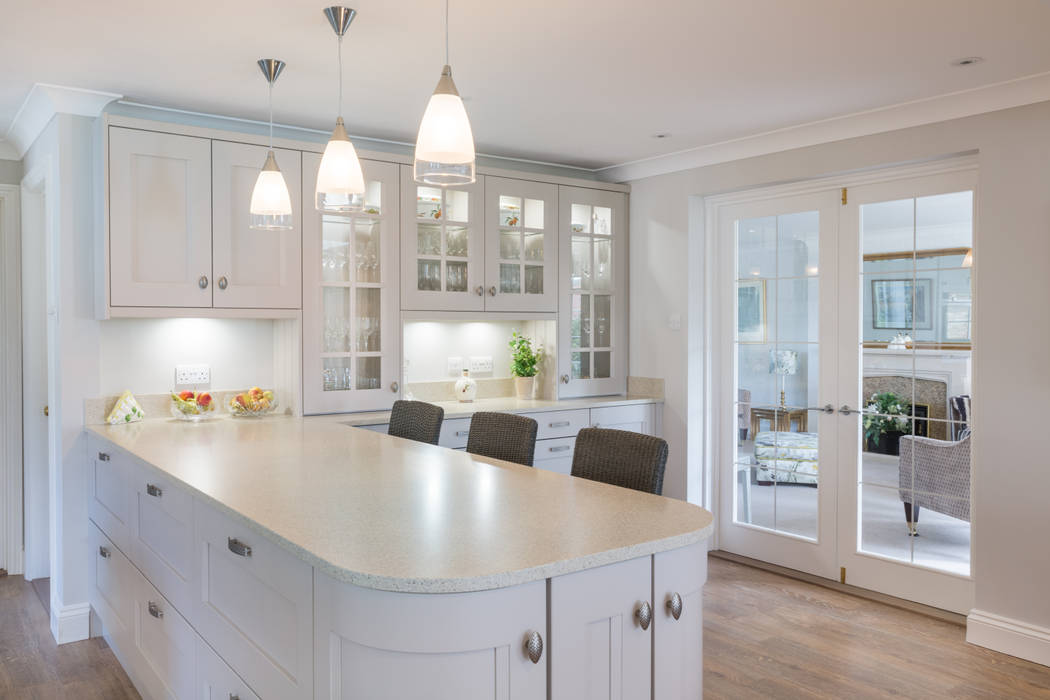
(391, 514)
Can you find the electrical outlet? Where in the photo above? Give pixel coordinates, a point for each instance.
(192, 374)
(455, 365)
(481, 364)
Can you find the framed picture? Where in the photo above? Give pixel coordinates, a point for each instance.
(892, 307)
(751, 311)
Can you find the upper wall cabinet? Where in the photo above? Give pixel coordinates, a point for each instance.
(592, 310)
(159, 219)
(521, 245)
(442, 246)
(253, 268)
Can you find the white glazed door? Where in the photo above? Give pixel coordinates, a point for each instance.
(442, 244)
(351, 338)
(253, 268)
(159, 219)
(598, 646)
(521, 247)
(592, 311)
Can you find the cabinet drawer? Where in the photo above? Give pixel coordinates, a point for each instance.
(454, 433)
(109, 505)
(166, 642)
(216, 680)
(383, 428)
(113, 587)
(162, 534)
(561, 423)
(637, 418)
(555, 455)
(254, 605)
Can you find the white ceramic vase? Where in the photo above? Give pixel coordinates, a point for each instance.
(466, 388)
(525, 387)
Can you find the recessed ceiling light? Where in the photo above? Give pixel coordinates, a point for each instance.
(968, 61)
(661, 135)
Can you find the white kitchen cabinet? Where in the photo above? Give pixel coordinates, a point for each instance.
(597, 618)
(454, 433)
(678, 580)
(110, 502)
(351, 329)
(555, 455)
(521, 245)
(637, 418)
(253, 268)
(385, 645)
(442, 246)
(160, 220)
(592, 308)
(112, 588)
(166, 643)
(216, 680)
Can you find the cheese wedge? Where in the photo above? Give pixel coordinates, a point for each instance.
(126, 410)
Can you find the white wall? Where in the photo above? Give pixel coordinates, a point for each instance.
(1012, 320)
(10, 172)
(140, 354)
(429, 344)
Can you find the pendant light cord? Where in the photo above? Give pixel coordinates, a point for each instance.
(271, 115)
(446, 33)
(340, 112)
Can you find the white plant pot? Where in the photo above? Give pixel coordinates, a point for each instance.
(525, 387)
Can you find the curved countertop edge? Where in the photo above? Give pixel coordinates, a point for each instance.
(433, 585)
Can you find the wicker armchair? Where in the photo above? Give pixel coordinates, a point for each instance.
(934, 474)
(503, 436)
(621, 458)
(416, 420)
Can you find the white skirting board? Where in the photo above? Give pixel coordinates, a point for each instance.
(1013, 637)
(70, 623)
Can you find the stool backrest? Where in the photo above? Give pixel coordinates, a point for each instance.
(416, 420)
(503, 436)
(621, 458)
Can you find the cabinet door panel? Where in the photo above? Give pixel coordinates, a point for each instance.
(162, 534)
(561, 423)
(113, 588)
(260, 269)
(598, 649)
(159, 219)
(110, 503)
(678, 644)
(166, 642)
(521, 245)
(216, 680)
(384, 645)
(637, 418)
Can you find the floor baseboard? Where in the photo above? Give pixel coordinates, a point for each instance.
(71, 623)
(1009, 636)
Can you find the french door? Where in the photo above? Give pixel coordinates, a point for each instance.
(844, 411)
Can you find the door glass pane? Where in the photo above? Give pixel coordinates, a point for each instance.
(455, 276)
(581, 263)
(428, 275)
(509, 245)
(368, 372)
(581, 218)
(335, 373)
(581, 365)
(373, 200)
(335, 249)
(366, 250)
(757, 248)
(458, 204)
(428, 202)
(510, 279)
(428, 239)
(335, 303)
(798, 244)
(602, 364)
(603, 265)
(534, 246)
(509, 211)
(602, 320)
(533, 213)
(798, 321)
(457, 239)
(602, 221)
(533, 279)
(368, 315)
(580, 323)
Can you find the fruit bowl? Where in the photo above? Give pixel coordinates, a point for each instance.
(192, 405)
(253, 403)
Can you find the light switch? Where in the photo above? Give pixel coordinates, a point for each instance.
(674, 322)
(481, 364)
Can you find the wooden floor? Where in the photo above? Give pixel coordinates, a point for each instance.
(32, 666)
(767, 636)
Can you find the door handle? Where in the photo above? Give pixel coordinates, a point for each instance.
(154, 491)
(237, 547)
(826, 408)
(154, 610)
(492, 291)
(223, 282)
(480, 291)
(203, 282)
(644, 615)
(846, 410)
(559, 448)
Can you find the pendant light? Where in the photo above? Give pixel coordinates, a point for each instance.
(445, 145)
(340, 183)
(271, 206)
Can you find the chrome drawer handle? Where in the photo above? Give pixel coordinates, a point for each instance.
(103, 457)
(644, 614)
(462, 433)
(237, 547)
(674, 605)
(534, 646)
(103, 552)
(235, 696)
(154, 490)
(155, 610)
(561, 424)
(559, 448)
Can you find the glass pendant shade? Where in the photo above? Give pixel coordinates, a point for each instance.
(340, 182)
(271, 205)
(445, 145)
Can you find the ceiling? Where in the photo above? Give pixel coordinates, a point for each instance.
(578, 82)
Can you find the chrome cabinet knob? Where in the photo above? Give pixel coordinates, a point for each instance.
(395, 387)
(644, 614)
(674, 605)
(103, 552)
(237, 547)
(480, 291)
(492, 291)
(203, 282)
(223, 282)
(154, 610)
(534, 646)
(564, 379)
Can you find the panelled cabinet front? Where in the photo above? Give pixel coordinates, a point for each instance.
(379, 644)
(678, 626)
(521, 245)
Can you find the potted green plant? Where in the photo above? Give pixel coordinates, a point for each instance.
(886, 421)
(524, 365)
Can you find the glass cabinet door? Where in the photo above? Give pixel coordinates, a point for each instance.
(592, 308)
(442, 246)
(521, 252)
(350, 334)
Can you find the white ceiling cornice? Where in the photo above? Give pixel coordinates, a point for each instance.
(45, 101)
(7, 151)
(989, 98)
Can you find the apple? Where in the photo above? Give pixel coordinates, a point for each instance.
(204, 400)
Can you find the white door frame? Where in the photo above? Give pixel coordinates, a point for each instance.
(10, 381)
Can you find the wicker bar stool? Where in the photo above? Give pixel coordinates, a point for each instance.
(416, 420)
(503, 436)
(621, 458)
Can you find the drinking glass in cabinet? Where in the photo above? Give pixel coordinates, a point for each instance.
(336, 310)
(581, 262)
(533, 213)
(428, 239)
(428, 275)
(581, 365)
(603, 265)
(368, 372)
(509, 211)
(456, 241)
(428, 203)
(455, 276)
(366, 250)
(602, 364)
(602, 320)
(533, 279)
(335, 249)
(509, 279)
(580, 321)
(602, 221)
(534, 246)
(580, 218)
(509, 245)
(457, 205)
(335, 373)
(368, 315)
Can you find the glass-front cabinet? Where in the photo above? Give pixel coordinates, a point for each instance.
(592, 318)
(442, 244)
(351, 339)
(521, 249)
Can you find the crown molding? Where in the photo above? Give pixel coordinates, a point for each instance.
(7, 151)
(964, 103)
(45, 101)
